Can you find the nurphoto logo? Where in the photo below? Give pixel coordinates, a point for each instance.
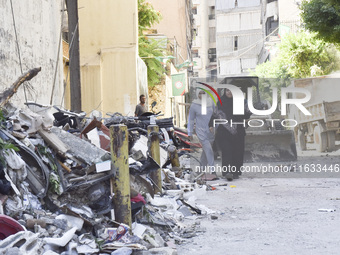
(239, 106)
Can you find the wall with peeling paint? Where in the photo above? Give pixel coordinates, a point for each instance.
(38, 24)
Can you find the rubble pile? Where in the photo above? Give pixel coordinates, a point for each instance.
(56, 196)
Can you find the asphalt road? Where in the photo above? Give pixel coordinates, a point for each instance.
(263, 214)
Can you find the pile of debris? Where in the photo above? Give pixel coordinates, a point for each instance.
(56, 196)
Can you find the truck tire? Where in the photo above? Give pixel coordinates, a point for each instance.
(278, 125)
(302, 140)
(320, 139)
(331, 140)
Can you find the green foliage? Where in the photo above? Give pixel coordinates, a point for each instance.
(301, 55)
(54, 179)
(55, 183)
(2, 119)
(150, 50)
(4, 148)
(147, 16)
(322, 17)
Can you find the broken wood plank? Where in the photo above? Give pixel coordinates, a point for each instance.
(64, 166)
(6, 95)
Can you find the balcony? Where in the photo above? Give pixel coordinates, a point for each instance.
(211, 16)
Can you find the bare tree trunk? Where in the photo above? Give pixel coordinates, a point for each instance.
(8, 93)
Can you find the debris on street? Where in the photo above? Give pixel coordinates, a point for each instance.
(56, 179)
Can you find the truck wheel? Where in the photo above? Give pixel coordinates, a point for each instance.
(320, 139)
(278, 125)
(331, 140)
(302, 140)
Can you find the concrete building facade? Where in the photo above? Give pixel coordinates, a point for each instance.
(231, 37)
(175, 25)
(204, 38)
(239, 35)
(31, 30)
(279, 18)
(112, 75)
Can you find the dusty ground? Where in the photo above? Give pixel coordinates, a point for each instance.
(268, 215)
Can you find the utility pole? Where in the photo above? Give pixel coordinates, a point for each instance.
(73, 32)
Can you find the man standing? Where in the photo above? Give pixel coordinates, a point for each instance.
(203, 132)
(141, 107)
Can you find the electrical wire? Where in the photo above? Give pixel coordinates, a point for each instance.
(251, 47)
(18, 48)
(59, 46)
(69, 54)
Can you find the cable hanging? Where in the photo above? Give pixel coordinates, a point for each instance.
(17, 43)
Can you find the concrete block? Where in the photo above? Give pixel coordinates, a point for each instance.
(27, 243)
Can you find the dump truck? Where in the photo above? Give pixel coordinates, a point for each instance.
(322, 127)
(269, 141)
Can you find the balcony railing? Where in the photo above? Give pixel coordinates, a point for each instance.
(211, 16)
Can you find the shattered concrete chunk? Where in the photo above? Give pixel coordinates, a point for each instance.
(72, 221)
(61, 241)
(142, 146)
(82, 150)
(14, 161)
(138, 229)
(166, 202)
(30, 223)
(54, 141)
(71, 248)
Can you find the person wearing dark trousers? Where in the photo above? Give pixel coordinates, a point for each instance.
(230, 138)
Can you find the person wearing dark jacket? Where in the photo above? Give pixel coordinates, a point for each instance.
(230, 138)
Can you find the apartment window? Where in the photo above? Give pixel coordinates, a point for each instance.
(235, 43)
(272, 25)
(212, 76)
(194, 53)
(212, 54)
(236, 3)
(211, 12)
(212, 34)
(194, 10)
